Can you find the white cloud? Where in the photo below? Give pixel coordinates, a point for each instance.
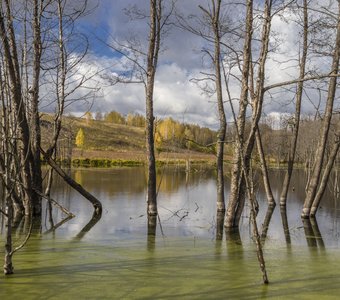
(175, 95)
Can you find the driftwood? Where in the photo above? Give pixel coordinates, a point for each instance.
(94, 201)
(55, 203)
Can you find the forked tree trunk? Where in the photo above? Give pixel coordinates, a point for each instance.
(240, 124)
(325, 177)
(233, 217)
(320, 152)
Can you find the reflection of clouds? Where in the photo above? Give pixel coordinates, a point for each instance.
(124, 207)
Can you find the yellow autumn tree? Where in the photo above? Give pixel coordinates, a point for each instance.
(169, 132)
(80, 138)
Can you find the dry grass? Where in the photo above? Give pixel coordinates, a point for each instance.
(105, 140)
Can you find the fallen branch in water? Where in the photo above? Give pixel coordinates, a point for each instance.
(59, 224)
(94, 201)
(55, 203)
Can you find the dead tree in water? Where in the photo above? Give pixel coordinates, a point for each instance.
(20, 78)
(245, 144)
(143, 64)
(299, 92)
(320, 151)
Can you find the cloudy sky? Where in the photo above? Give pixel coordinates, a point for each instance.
(181, 60)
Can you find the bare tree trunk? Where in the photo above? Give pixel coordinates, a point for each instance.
(8, 265)
(12, 66)
(94, 201)
(320, 152)
(221, 113)
(325, 177)
(257, 101)
(152, 59)
(34, 114)
(264, 169)
(292, 150)
(213, 16)
(236, 170)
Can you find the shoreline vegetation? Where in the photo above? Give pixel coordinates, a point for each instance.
(105, 144)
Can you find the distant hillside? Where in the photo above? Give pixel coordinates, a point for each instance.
(108, 140)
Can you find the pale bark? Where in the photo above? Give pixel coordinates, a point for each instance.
(320, 152)
(233, 217)
(236, 169)
(222, 118)
(264, 169)
(292, 150)
(325, 177)
(214, 18)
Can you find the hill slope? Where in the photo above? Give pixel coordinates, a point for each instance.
(109, 141)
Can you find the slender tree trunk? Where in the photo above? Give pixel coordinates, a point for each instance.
(292, 150)
(222, 118)
(152, 59)
(35, 119)
(12, 66)
(325, 177)
(264, 169)
(257, 101)
(320, 152)
(8, 265)
(236, 169)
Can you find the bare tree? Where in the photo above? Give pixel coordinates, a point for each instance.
(299, 93)
(320, 152)
(244, 146)
(143, 67)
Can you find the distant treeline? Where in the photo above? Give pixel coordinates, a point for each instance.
(169, 133)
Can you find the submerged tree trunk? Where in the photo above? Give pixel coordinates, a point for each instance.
(94, 201)
(320, 152)
(221, 113)
(213, 15)
(8, 264)
(34, 113)
(152, 59)
(246, 149)
(264, 169)
(325, 177)
(29, 161)
(240, 124)
(292, 150)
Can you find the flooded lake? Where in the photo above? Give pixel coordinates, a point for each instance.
(186, 255)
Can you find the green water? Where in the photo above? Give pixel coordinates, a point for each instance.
(116, 258)
(181, 268)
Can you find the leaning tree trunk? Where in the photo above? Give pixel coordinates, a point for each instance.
(264, 169)
(325, 177)
(320, 152)
(292, 150)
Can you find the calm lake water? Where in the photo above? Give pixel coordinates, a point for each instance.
(186, 255)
